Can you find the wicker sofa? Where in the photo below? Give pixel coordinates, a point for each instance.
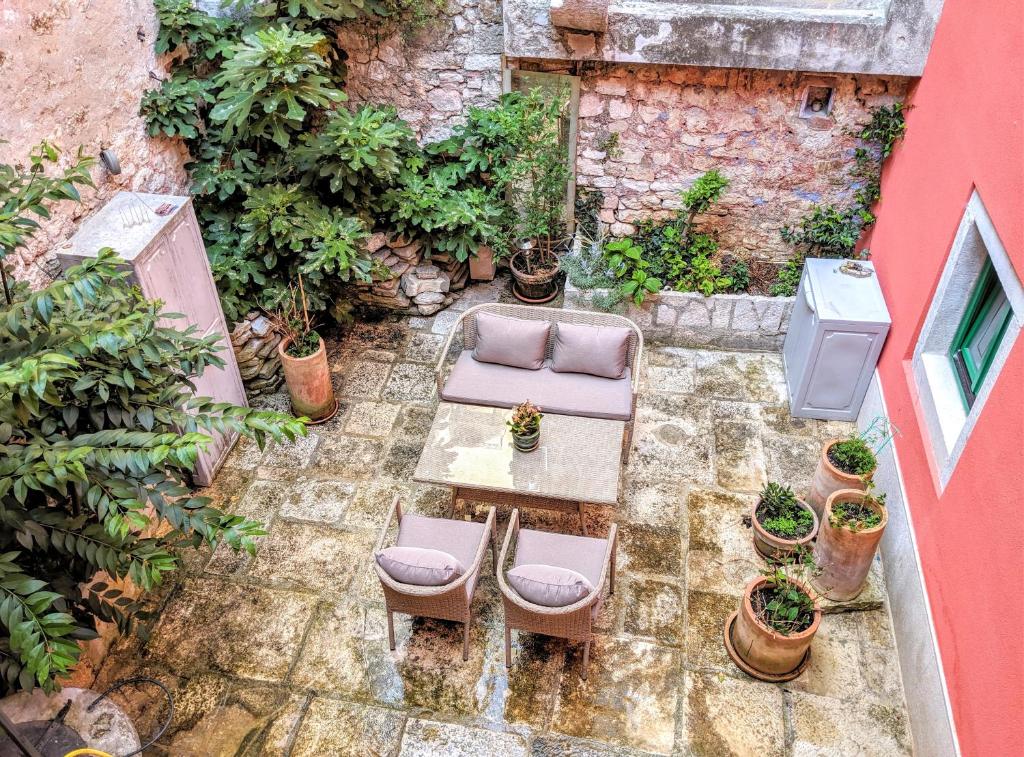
(468, 381)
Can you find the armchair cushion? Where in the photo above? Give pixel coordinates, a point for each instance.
(549, 585)
(596, 350)
(514, 342)
(459, 538)
(582, 554)
(419, 566)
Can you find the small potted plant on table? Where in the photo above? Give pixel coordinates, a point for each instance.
(525, 426)
(851, 530)
(304, 360)
(844, 464)
(770, 636)
(782, 524)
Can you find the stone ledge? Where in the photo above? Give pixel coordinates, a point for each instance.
(689, 319)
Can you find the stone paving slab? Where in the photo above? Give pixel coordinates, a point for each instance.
(286, 653)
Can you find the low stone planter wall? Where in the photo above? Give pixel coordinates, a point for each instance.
(689, 319)
(255, 344)
(415, 286)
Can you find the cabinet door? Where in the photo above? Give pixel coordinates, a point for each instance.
(841, 362)
(175, 270)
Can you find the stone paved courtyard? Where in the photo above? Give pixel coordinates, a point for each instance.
(286, 652)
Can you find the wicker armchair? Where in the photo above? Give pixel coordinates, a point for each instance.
(467, 321)
(594, 558)
(448, 602)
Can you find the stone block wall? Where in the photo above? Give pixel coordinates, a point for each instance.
(415, 285)
(74, 73)
(646, 132)
(434, 74)
(689, 319)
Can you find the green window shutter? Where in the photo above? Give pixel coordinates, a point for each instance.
(977, 339)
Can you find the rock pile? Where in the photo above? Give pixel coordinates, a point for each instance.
(415, 286)
(255, 344)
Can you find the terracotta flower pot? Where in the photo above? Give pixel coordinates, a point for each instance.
(828, 478)
(536, 287)
(844, 556)
(769, 545)
(482, 266)
(309, 383)
(762, 651)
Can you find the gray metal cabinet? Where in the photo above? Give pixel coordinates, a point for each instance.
(158, 236)
(836, 334)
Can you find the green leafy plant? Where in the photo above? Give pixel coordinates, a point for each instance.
(630, 269)
(854, 516)
(853, 456)
(525, 419)
(173, 108)
(788, 278)
(25, 194)
(290, 316)
(182, 25)
(99, 433)
(702, 275)
(779, 512)
(784, 603)
(271, 81)
(359, 154)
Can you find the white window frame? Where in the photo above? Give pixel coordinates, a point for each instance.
(947, 422)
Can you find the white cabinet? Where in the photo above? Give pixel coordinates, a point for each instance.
(835, 336)
(158, 236)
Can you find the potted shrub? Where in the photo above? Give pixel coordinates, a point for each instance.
(525, 426)
(783, 525)
(535, 177)
(850, 532)
(304, 360)
(844, 464)
(770, 636)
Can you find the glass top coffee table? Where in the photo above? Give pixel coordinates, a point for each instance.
(470, 449)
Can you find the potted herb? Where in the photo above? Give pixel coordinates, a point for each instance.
(304, 359)
(525, 426)
(770, 636)
(851, 530)
(535, 178)
(782, 524)
(844, 464)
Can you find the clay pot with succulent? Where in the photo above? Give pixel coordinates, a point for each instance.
(304, 359)
(844, 464)
(525, 426)
(782, 524)
(769, 637)
(851, 530)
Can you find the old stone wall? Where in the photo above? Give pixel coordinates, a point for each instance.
(431, 75)
(73, 73)
(646, 132)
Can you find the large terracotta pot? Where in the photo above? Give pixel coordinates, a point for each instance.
(533, 288)
(309, 383)
(844, 556)
(771, 546)
(762, 651)
(828, 478)
(482, 266)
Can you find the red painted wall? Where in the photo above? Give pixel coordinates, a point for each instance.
(965, 131)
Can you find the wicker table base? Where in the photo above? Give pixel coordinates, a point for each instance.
(517, 499)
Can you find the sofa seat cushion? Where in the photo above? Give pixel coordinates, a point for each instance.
(475, 383)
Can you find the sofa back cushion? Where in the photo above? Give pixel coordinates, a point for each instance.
(419, 566)
(515, 342)
(597, 350)
(548, 585)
